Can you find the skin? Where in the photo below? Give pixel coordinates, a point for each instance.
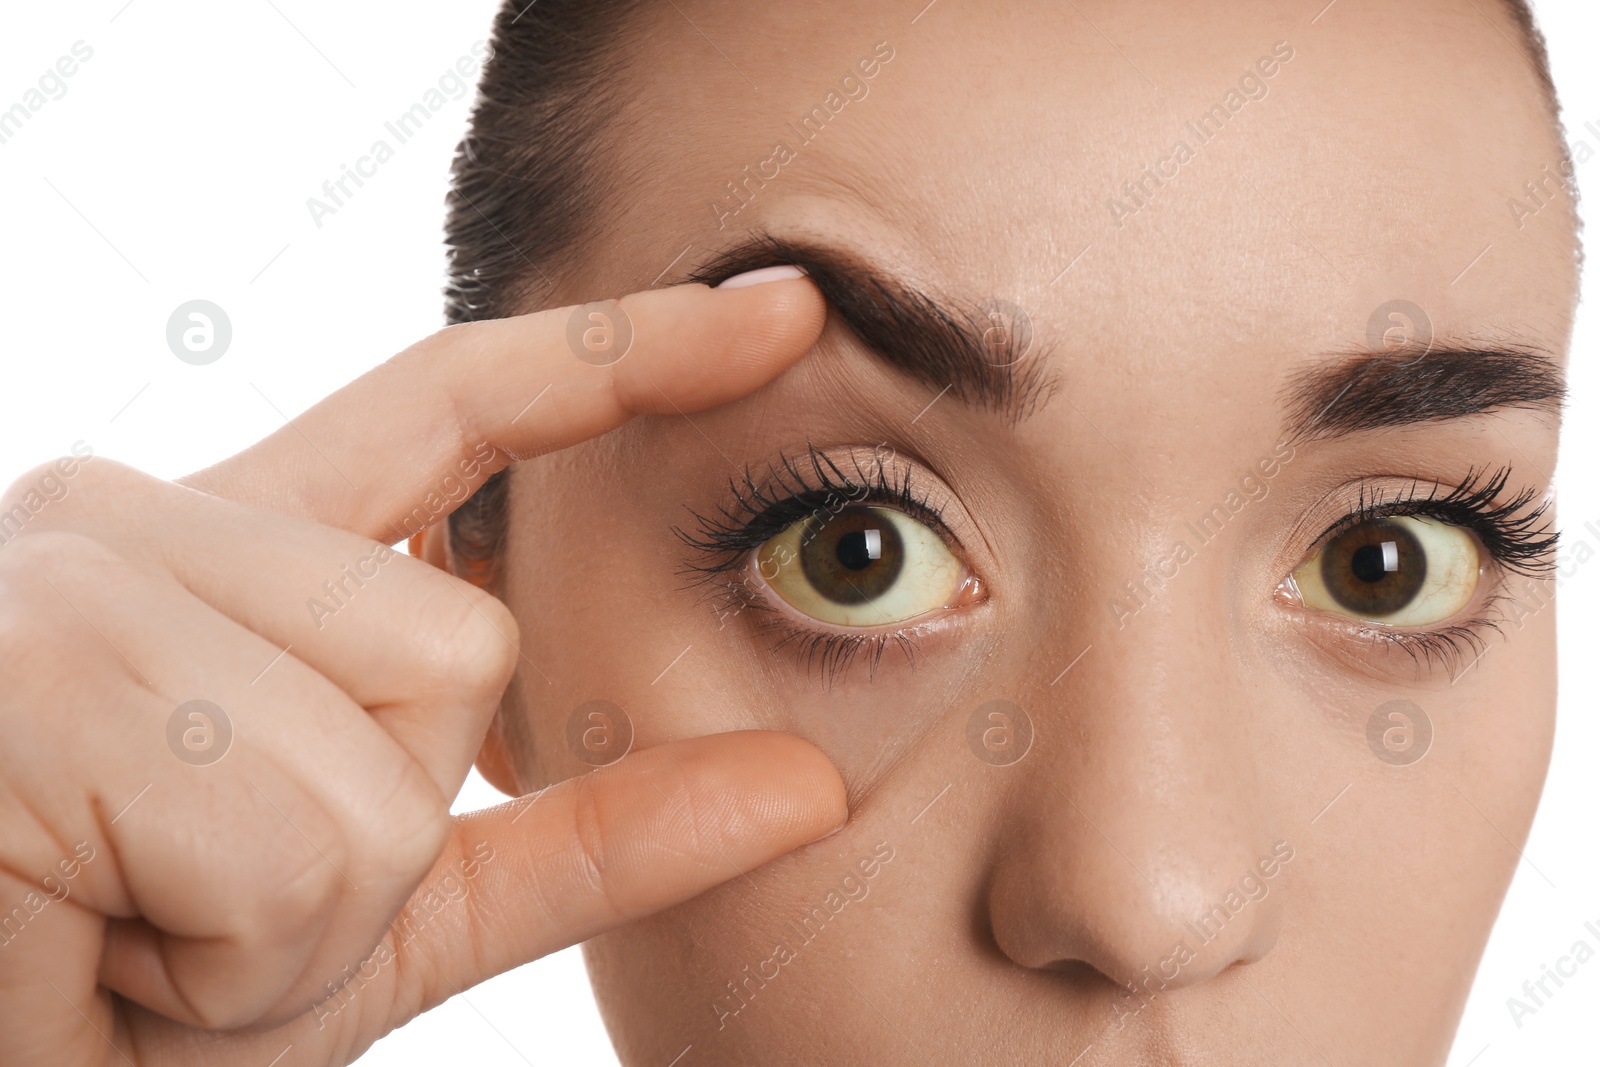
(221, 908)
(1218, 721)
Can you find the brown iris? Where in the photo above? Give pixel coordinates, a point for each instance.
(852, 557)
(1374, 568)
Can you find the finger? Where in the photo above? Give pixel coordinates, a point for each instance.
(524, 879)
(662, 825)
(401, 446)
(427, 654)
(48, 949)
(277, 848)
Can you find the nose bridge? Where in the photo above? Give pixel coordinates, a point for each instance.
(1147, 844)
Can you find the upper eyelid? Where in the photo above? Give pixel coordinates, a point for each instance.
(787, 480)
(725, 537)
(1517, 538)
(922, 510)
(1402, 506)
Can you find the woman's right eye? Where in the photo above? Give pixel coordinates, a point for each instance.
(863, 566)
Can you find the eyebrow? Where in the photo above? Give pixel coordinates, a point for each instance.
(953, 347)
(1373, 391)
(986, 355)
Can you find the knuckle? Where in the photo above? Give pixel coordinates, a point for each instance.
(35, 572)
(237, 988)
(472, 647)
(54, 552)
(415, 825)
(51, 492)
(51, 584)
(303, 886)
(216, 1006)
(42, 484)
(457, 337)
(288, 907)
(589, 835)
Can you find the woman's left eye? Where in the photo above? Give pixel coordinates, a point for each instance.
(863, 566)
(1402, 570)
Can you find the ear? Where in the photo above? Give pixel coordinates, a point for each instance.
(494, 758)
(494, 761)
(432, 546)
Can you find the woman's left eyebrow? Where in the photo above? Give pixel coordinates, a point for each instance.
(986, 356)
(1370, 391)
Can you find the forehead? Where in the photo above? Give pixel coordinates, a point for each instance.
(1165, 180)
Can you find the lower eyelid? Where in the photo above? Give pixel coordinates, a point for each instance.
(834, 651)
(1380, 650)
(1452, 648)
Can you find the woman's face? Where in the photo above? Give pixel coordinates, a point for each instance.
(1160, 748)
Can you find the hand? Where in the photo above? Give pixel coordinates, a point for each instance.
(158, 908)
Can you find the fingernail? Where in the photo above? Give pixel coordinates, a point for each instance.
(765, 274)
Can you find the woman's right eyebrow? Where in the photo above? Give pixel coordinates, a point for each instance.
(984, 353)
(1369, 391)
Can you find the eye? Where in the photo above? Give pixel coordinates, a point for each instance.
(1402, 570)
(863, 566)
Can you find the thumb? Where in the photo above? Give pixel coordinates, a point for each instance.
(658, 827)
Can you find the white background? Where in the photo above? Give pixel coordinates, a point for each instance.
(177, 166)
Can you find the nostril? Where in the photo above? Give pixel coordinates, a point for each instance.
(1071, 910)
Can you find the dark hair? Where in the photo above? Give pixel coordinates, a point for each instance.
(529, 174)
(1538, 56)
(524, 182)
(526, 174)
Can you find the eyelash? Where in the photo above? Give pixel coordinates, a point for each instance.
(1518, 540)
(794, 490)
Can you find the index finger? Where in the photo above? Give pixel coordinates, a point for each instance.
(432, 424)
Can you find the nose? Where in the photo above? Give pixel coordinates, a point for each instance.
(1140, 841)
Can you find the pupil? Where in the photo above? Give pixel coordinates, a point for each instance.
(1367, 563)
(855, 548)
